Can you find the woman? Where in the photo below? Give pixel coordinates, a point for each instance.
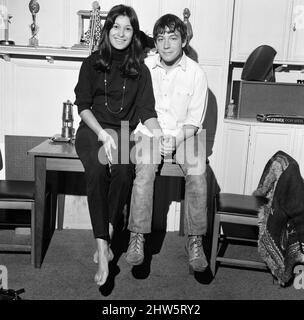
(114, 92)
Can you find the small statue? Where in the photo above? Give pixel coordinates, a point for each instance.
(187, 14)
(34, 9)
(92, 36)
(95, 5)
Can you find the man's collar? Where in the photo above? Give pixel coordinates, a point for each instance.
(182, 62)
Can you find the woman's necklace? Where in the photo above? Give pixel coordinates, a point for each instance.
(106, 96)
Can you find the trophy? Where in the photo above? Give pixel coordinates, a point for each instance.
(34, 9)
(190, 52)
(5, 20)
(186, 15)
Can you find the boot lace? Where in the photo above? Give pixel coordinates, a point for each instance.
(196, 246)
(136, 242)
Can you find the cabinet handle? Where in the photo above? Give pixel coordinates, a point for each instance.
(294, 28)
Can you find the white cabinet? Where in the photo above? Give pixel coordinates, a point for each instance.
(235, 150)
(248, 147)
(296, 44)
(278, 23)
(264, 142)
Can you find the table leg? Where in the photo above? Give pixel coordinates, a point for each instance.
(40, 181)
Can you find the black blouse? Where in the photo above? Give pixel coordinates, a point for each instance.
(138, 101)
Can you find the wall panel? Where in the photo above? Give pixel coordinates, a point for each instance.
(148, 12)
(209, 22)
(35, 105)
(50, 20)
(175, 6)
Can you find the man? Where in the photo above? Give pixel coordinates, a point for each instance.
(180, 90)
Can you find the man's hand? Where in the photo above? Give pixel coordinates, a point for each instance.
(108, 143)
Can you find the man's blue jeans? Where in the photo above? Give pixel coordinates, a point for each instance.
(191, 156)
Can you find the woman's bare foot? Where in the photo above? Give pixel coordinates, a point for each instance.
(110, 253)
(102, 271)
(103, 255)
(95, 257)
(111, 256)
(103, 262)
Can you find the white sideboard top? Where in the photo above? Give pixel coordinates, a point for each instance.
(254, 122)
(41, 52)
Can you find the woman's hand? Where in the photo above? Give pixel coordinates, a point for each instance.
(108, 143)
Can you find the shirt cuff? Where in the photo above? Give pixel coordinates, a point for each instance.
(194, 123)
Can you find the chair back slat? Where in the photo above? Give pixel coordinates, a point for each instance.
(18, 164)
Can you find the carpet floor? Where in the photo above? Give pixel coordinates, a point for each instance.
(68, 270)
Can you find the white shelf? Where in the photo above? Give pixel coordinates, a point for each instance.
(7, 52)
(254, 122)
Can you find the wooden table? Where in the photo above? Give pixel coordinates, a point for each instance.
(62, 156)
(54, 156)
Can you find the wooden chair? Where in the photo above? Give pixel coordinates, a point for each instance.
(236, 209)
(17, 190)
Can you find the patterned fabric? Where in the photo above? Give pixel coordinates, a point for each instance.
(281, 220)
(93, 35)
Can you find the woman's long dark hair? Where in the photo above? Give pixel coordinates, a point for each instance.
(134, 57)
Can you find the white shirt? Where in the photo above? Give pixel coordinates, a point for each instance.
(180, 94)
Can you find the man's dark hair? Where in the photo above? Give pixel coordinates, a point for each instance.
(131, 65)
(172, 22)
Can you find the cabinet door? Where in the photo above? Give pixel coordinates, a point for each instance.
(258, 22)
(234, 159)
(210, 19)
(264, 143)
(296, 47)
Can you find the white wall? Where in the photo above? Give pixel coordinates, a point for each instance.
(32, 91)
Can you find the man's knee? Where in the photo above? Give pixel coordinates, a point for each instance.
(144, 179)
(145, 171)
(197, 182)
